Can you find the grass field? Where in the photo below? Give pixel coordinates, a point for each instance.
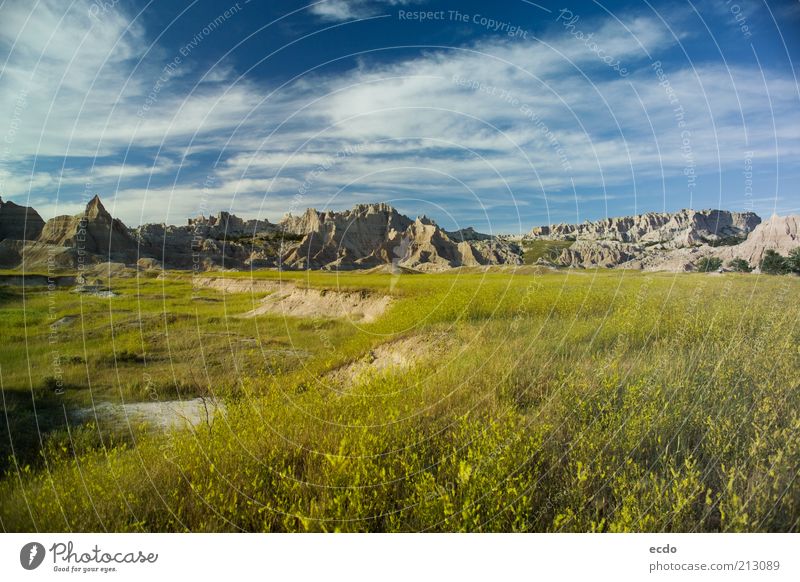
(533, 250)
(528, 400)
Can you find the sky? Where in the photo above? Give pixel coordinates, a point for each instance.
(498, 115)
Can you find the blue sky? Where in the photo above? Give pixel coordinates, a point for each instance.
(499, 115)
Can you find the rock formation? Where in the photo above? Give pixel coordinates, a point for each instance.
(779, 233)
(37, 256)
(206, 245)
(93, 231)
(371, 235)
(225, 224)
(468, 234)
(366, 236)
(19, 222)
(674, 230)
(599, 253)
(652, 241)
(363, 237)
(376, 236)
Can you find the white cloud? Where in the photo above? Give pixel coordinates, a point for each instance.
(340, 10)
(87, 82)
(413, 115)
(558, 118)
(67, 70)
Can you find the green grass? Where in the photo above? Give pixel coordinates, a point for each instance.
(571, 401)
(543, 249)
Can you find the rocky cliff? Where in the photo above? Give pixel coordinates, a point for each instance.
(201, 248)
(225, 224)
(652, 241)
(376, 235)
(19, 222)
(93, 231)
(674, 230)
(599, 253)
(779, 233)
(371, 235)
(366, 236)
(221, 241)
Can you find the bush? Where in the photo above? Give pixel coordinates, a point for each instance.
(774, 264)
(793, 260)
(739, 265)
(708, 264)
(725, 241)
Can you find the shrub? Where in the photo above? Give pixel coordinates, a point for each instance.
(708, 264)
(774, 264)
(793, 260)
(725, 241)
(739, 265)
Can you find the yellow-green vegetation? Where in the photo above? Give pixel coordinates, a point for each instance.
(569, 401)
(533, 250)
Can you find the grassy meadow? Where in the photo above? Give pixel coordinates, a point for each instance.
(533, 250)
(524, 400)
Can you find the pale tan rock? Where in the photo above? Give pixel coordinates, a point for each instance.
(653, 241)
(371, 235)
(779, 233)
(677, 229)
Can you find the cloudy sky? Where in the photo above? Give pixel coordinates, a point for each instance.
(500, 115)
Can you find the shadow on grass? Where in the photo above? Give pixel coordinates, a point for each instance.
(26, 422)
(8, 295)
(43, 426)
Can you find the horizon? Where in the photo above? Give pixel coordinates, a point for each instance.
(522, 114)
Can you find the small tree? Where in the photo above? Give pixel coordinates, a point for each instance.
(739, 265)
(793, 260)
(708, 264)
(773, 263)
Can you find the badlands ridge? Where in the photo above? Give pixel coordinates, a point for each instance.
(376, 236)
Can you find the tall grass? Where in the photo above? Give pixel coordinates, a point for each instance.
(575, 401)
